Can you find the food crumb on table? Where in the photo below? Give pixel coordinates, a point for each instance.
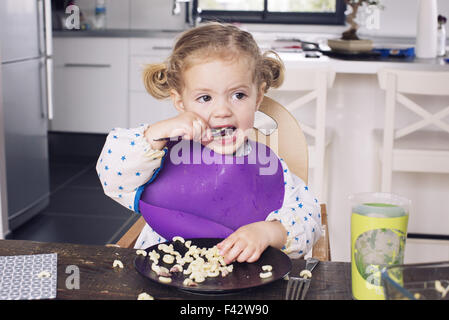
(117, 263)
(144, 296)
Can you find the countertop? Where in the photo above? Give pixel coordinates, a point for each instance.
(291, 59)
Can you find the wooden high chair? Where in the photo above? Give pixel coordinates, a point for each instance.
(289, 142)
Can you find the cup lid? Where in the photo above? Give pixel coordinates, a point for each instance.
(381, 210)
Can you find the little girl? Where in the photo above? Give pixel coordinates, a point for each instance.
(216, 78)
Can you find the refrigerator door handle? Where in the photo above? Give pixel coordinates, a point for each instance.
(49, 85)
(48, 28)
(41, 26)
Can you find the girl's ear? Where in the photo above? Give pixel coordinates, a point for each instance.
(260, 95)
(177, 100)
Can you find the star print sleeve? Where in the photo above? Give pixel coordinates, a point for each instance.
(300, 214)
(126, 163)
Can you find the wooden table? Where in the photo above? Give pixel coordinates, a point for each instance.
(99, 280)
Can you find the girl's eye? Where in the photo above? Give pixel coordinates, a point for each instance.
(204, 98)
(239, 95)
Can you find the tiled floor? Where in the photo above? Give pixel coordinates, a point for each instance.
(79, 212)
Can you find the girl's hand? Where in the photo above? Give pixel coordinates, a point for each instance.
(248, 242)
(188, 125)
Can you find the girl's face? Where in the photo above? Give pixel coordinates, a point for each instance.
(223, 94)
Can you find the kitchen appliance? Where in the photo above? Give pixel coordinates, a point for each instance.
(26, 99)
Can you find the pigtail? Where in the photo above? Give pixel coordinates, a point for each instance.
(155, 80)
(273, 70)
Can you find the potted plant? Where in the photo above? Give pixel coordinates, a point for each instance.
(349, 40)
(353, 7)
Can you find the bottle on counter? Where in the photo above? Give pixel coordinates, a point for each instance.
(100, 14)
(426, 33)
(441, 46)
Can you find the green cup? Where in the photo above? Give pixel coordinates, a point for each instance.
(378, 233)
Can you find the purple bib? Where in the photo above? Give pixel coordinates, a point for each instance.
(202, 194)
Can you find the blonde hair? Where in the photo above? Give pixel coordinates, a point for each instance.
(212, 39)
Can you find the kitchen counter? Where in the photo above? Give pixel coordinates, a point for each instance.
(117, 33)
(291, 59)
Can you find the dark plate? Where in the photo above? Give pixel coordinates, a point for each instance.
(244, 275)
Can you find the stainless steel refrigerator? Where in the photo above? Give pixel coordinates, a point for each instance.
(26, 99)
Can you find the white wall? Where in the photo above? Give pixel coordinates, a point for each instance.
(138, 14)
(397, 19)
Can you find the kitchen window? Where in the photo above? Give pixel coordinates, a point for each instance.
(329, 12)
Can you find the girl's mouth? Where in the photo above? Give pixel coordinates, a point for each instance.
(227, 135)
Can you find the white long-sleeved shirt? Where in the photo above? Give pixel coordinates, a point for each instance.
(127, 163)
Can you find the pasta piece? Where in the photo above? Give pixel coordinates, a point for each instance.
(267, 268)
(177, 238)
(189, 283)
(265, 275)
(164, 279)
(439, 287)
(176, 268)
(117, 263)
(167, 258)
(141, 252)
(305, 274)
(144, 296)
(44, 274)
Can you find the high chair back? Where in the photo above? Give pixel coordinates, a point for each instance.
(289, 143)
(287, 139)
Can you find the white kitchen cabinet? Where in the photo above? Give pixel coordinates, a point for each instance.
(143, 108)
(424, 250)
(90, 84)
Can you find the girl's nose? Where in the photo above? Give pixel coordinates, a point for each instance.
(221, 110)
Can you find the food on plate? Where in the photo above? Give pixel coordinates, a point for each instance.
(267, 267)
(265, 275)
(141, 252)
(168, 258)
(189, 283)
(202, 262)
(154, 256)
(177, 238)
(164, 279)
(176, 268)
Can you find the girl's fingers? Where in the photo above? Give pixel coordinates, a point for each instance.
(225, 245)
(254, 257)
(247, 253)
(205, 133)
(234, 252)
(197, 129)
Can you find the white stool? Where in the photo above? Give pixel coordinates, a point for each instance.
(315, 81)
(430, 158)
